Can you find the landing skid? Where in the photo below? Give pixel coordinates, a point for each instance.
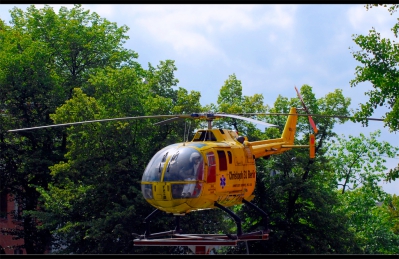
(202, 243)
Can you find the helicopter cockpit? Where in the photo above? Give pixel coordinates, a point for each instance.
(181, 167)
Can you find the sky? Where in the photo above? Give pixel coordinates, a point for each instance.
(271, 48)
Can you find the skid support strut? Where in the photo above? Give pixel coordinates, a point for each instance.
(265, 217)
(177, 221)
(147, 222)
(234, 216)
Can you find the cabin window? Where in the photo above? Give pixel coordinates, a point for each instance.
(222, 160)
(146, 189)
(230, 157)
(210, 136)
(194, 190)
(211, 177)
(3, 205)
(204, 136)
(198, 136)
(17, 209)
(18, 251)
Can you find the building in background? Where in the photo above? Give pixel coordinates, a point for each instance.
(9, 220)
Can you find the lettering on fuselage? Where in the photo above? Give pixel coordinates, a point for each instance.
(238, 185)
(163, 192)
(241, 175)
(242, 184)
(230, 198)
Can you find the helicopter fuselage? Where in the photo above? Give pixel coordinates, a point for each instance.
(225, 173)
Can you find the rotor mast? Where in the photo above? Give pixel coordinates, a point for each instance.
(209, 123)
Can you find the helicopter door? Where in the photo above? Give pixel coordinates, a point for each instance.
(222, 160)
(211, 177)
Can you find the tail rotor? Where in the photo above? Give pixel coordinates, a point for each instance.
(312, 148)
(311, 122)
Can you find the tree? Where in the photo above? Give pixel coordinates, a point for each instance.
(370, 220)
(300, 195)
(44, 56)
(94, 202)
(231, 100)
(380, 67)
(360, 160)
(359, 165)
(28, 92)
(379, 59)
(393, 208)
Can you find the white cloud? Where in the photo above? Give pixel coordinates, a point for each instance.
(363, 20)
(197, 29)
(281, 16)
(104, 10)
(215, 17)
(56, 7)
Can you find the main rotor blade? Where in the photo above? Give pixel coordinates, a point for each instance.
(246, 119)
(91, 121)
(313, 115)
(168, 121)
(206, 116)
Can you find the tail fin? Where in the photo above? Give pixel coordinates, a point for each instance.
(290, 127)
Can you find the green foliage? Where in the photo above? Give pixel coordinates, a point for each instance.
(298, 193)
(360, 160)
(44, 56)
(359, 165)
(378, 57)
(393, 210)
(231, 100)
(105, 161)
(371, 223)
(78, 42)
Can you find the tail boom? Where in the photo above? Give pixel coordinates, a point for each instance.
(269, 147)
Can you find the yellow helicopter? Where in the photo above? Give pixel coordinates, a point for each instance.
(217, 167)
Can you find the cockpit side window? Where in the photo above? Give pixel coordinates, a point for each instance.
(211, 177)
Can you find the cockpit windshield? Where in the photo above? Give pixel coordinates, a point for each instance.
(154, 168)
(185, 164)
